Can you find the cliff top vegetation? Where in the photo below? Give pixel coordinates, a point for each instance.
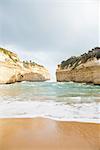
(76, 61)
(10, 54)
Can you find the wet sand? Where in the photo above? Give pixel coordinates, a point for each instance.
(46, 134)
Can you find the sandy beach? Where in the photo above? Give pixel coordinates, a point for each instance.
(47, 134)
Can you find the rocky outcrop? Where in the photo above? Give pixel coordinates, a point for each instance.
(83, 69)
(13, 70)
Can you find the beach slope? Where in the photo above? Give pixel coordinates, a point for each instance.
(46, 134)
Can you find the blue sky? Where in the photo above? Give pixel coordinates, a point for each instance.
(49, 31)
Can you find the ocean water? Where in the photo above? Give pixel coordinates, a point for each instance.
(59, 101)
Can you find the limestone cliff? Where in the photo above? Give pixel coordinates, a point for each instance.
(13, 70)
(85, 68)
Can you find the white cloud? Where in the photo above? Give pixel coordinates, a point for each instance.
(49, 30)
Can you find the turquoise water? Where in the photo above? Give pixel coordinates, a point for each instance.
(61, 101)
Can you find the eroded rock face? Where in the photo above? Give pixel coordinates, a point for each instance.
(13, 70)
(85, 68)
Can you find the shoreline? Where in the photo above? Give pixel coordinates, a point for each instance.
(47, 134)
(53, 119)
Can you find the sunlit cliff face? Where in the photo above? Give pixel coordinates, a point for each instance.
(13, 70)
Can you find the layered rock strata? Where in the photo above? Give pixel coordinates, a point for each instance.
(82, 69)
(13, 70)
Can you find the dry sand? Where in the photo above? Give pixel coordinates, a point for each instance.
(46, 134)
